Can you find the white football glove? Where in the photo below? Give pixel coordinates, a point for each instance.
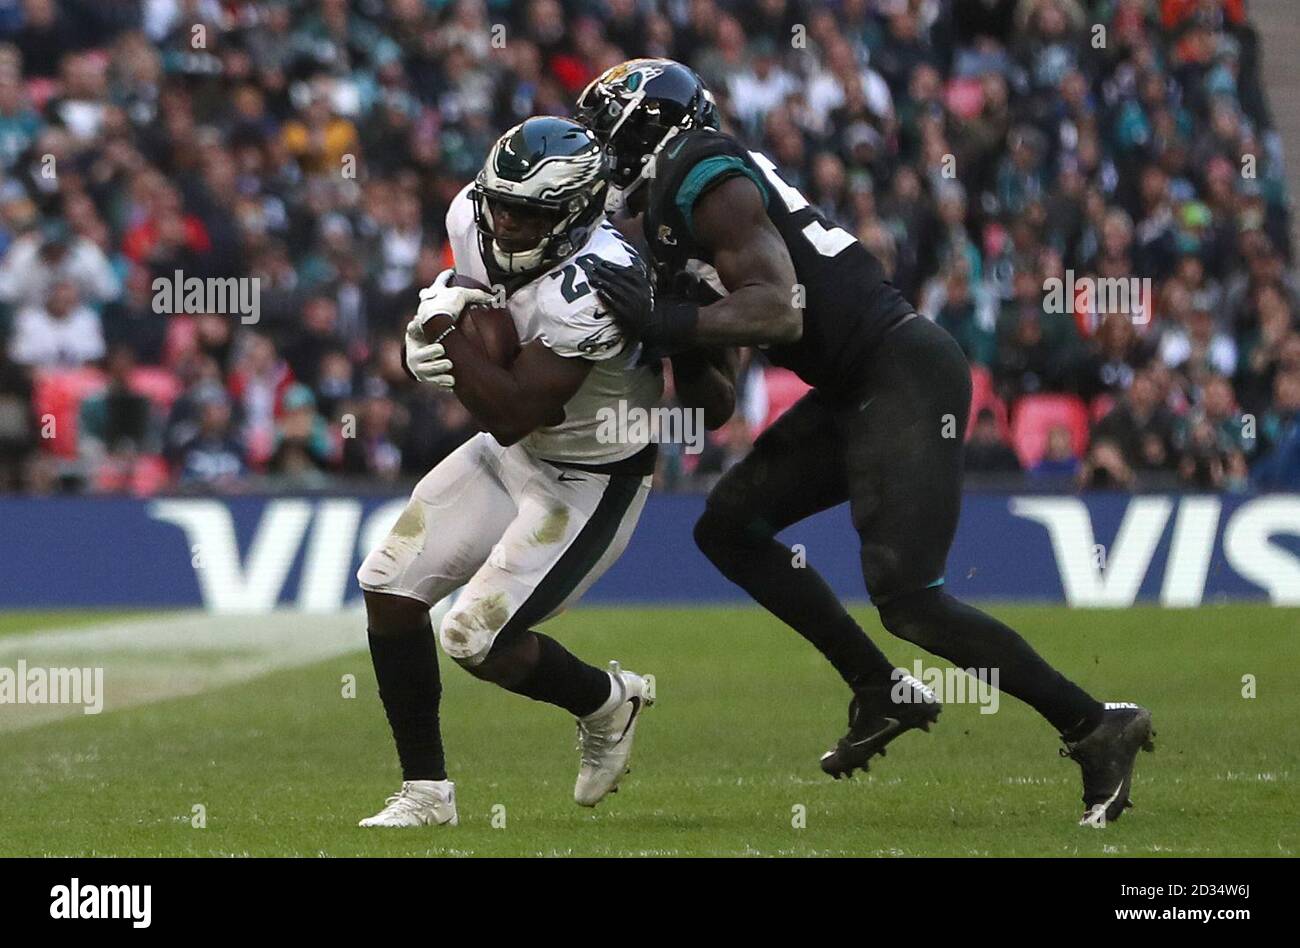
(427, 361)
(441, 298)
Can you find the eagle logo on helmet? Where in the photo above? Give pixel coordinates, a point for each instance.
(550, 167)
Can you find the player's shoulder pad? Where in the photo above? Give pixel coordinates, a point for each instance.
(462, 231)
(573, 321)
(703, 160)
(689, 148)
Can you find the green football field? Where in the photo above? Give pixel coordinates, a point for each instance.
(244, 724)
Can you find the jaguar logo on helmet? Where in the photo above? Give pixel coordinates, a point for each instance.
(632, 74)
(553, 168)
(637, 107)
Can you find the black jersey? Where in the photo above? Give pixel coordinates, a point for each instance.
(848, 304)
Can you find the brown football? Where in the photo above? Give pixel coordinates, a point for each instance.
(491, 329)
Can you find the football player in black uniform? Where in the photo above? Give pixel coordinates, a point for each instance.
(741, 258)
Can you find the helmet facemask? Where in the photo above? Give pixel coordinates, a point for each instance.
(567, 190)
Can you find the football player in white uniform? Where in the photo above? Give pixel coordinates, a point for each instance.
(526, 515)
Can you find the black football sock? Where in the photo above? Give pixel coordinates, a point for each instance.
(406, 667)
(797, 595)
(969, 638)
(559, 677)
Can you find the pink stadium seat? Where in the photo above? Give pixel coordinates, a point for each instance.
(145, 477)
(58, 394)
(784, 388)
(40, 91)
(983, 396)
(1035, 415)
(981, 383)
(182, 337)
(159, 385)
(151, 475)
(965, 97)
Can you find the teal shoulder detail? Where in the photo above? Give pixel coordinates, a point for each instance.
(705, 173)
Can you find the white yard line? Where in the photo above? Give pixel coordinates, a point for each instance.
(153, 659)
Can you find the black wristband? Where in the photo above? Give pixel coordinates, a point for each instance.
(690, 364)
(677, 321)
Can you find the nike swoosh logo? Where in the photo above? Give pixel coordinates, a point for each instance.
(636, 709)
(672, 152)
(565, 478)
(889, 728)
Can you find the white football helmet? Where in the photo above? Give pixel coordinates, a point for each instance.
(546, 164)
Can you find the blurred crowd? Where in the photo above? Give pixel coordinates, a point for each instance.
(981, 148)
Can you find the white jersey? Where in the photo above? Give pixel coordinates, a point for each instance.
(560, 309)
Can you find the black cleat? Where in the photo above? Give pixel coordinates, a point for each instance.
(1106, 756)
(876, 717)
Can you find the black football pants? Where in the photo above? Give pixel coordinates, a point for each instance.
(893, 450)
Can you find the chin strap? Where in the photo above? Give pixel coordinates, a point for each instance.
(648, 167)
(521, 262)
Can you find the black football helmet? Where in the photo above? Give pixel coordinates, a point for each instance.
(637, 107)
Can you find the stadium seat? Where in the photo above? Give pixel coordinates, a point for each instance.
(1035, 415)
(58, 394)
(784, 388)
(1101, 406)
(983, 396)
(40, 91)
(964, 97)
(182, 337)
(159, 385)
(146, 476)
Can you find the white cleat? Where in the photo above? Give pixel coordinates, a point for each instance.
(418, 803)
(606, 739)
